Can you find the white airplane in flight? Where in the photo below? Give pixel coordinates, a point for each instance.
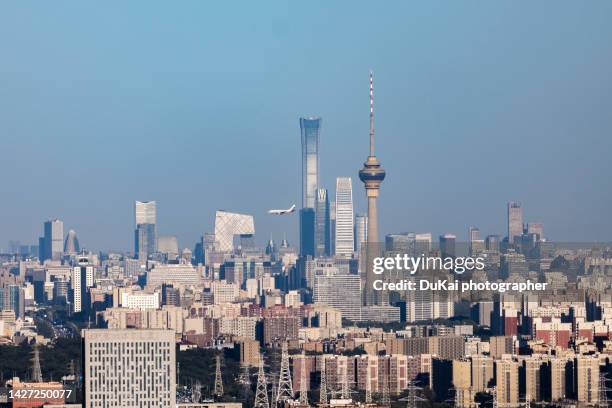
(282, 212)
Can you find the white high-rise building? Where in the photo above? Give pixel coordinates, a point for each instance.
(81, 279)
(145, 212)
(345, 240)
(129, 368)
(342, 291)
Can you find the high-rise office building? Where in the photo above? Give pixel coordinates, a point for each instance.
(361, 232)
(12, 297)
(448, 244)
(130, 368)
(492, 243)
(345, 240)
(372, 176)
(476, 245)
(71, 244)
(332, 227)
(536, 228)
(322, 227)
(310, 129)
(340, 291)
(81, 280)
(307, 232)
(473, 234)
(53, 240)
(145, 235)
(229, 225)
(168, 246)
(409, 243)
(515, 221)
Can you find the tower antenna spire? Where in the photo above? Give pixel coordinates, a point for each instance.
(371, 113)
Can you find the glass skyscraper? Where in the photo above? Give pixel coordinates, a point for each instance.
(307, 231)
(322, 224)
(145, 235)
(361, 231)
(53, 240)
(310, 128)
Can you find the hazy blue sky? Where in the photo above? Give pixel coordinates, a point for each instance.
(196, 105)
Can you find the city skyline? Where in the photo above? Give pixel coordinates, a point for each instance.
(143, 134)
(193, 216)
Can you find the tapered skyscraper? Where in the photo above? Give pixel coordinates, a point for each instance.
(372, 175)
(310, 129)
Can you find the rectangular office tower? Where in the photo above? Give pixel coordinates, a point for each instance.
(322, 224)
(81, 280)
(53, 240)
(515, 222)
(345, 239)
(145, 235)
(129, 368)
(307, 231)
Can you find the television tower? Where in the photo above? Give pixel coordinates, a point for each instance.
(372, 175)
